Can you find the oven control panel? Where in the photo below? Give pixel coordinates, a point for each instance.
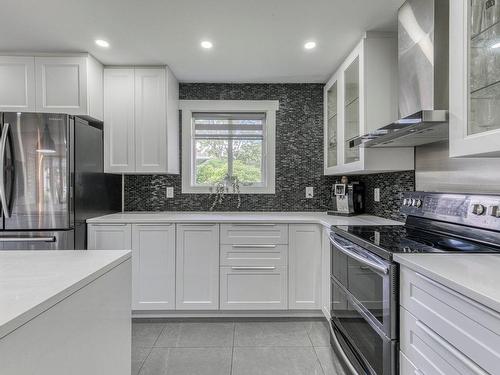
(468, 209)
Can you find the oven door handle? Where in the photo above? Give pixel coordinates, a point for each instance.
(360, 258)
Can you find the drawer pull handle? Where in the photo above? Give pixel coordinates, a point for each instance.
(254, 225)
(254, 246)
(252, 268)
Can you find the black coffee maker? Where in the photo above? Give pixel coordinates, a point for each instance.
(347, 198)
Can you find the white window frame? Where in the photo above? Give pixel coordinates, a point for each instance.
(269, 107)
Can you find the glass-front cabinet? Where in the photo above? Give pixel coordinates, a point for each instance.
(361, 97)
(331, 118)
(475, 78)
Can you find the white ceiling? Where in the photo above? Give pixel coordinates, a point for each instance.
(254, 40)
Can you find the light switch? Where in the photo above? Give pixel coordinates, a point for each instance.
(170, 192)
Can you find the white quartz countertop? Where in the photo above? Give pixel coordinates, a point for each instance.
(476, 276)
(241, 217)
(34, 281)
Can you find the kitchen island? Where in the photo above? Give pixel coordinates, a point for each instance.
(65, 312)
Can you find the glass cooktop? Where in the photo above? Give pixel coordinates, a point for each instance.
(401, 239)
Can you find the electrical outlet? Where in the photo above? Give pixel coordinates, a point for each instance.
(376, 194)
(309, 192)
(170, 192)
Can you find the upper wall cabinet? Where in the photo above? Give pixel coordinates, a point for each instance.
(17, 91)
(61, 84)
(361, 97)
(474, 78)
(142, 120)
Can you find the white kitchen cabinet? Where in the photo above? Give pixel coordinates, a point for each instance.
(253, 288)
(153, 267)
(69, 84)
(17, 91)
(304, 266)
(109, 237)
(474, 79)
(442, 331)
(325, 273)
(360, 97)
(141, 111)
(119, 117)
(197, 271)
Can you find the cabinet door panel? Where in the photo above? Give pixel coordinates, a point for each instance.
(119, 138)
(253, 288)
(109, 237)
(304, 279)
(61, 84)
(150, 120)
(197, 271)
(17, 91)
(153, 267)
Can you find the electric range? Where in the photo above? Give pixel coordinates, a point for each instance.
(364, 278)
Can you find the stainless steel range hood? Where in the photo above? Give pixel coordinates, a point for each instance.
(423, 78)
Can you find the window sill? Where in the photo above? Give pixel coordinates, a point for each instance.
(243, 190)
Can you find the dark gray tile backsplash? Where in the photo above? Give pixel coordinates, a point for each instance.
(299, 159)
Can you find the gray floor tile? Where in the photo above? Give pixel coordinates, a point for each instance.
(145, 334)
(188, 361)
(319, 333)
(271, 334)
(329, 361)
(196, 335)
(275, 361)
(139, 355)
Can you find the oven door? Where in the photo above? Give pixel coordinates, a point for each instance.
(369, 280)
(366, 347)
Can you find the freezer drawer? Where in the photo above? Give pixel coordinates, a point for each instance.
(41, 240)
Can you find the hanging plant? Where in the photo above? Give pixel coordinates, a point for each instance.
(222, 188)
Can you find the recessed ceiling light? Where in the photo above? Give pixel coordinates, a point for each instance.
(206, 44)
(496, 45)
(310, 45)
(102, 43)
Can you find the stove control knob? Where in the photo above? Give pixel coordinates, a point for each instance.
(417, 203)
(478, 209)
(412, 202)
(406, 202)
(495, 211)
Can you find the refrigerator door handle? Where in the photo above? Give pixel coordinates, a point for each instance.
(28, 239)
(3, 146)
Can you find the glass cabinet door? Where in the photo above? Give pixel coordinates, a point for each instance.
(484, 66)
(332, 125)
(351, 110)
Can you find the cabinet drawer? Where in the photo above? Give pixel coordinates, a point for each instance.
(430, 352)
(250, 234)
(406, 367)
(253, 255)
(253, 288)
(467, 325)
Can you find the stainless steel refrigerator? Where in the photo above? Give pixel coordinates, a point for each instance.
(52, 180)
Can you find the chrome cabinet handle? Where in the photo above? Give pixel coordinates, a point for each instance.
(3, 145)
(253, 225)
(254, 246)
(252, 268)
(353, 254)
(28, 239)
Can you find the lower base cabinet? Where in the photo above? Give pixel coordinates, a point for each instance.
(197, 271)
(253, 288)
(153, 267)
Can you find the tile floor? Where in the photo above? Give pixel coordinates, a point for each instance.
(224, 347)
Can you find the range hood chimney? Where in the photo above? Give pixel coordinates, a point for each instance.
(423, 78)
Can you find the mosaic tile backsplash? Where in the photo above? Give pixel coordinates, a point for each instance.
(299, 159)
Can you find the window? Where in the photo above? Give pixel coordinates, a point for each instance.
(228, 138)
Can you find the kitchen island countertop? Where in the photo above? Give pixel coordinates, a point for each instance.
(476, 276)
(31, 282)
